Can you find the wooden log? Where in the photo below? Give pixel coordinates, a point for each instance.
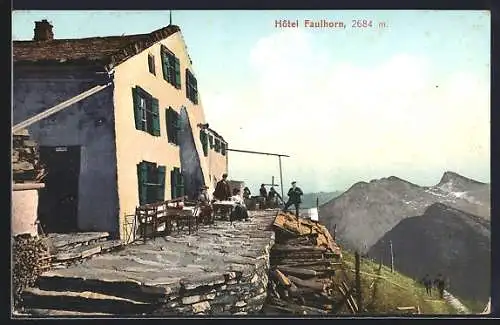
(406, 308)
(282, 278)
(311, 284)
(297, 248)
(297, 271)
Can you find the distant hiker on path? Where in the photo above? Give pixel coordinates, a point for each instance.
(222, 189)
(427, 282)
(294, 194)
(439, 282)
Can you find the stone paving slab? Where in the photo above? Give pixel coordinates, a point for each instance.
(214, 250)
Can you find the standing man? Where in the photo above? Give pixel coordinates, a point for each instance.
(263, 196)
(222, 189)
(294, 198)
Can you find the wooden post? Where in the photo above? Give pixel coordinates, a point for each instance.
(317, 203)
(380, 262)
(334, 231)
(392, 256)
(281, 179)
(359, 296)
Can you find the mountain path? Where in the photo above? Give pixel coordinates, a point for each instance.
(455, 303)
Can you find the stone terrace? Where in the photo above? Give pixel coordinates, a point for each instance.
(220, 270)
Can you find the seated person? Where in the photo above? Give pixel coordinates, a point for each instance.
(272, 200)
(240, 210)
(205, 205)
(246, 193)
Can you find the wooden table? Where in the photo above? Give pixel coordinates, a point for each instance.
(225, 206)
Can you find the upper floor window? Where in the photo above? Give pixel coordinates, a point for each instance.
(191, 87)
(223, 148)
(171, 67)
(204, 142)
(151, 64)
(173, 125)
(217, 145)
(146, 112)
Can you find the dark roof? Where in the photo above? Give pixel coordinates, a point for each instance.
(110, 50)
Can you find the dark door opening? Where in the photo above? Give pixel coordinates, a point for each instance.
(58, 201)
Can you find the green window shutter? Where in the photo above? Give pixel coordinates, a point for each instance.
(204, 142)
(173, 183)
(223, 148)
(176, 126)
(156, 117)
(165, 65)
(211, 138)
(188, 80)
(161, 181)
(195, 92)
(180, 183)
(167, 123)
(142, 176)
(137, 108)
(177, 73)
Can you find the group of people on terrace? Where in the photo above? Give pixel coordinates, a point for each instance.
(240, 200)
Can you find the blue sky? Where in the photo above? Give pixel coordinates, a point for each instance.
(410, 100)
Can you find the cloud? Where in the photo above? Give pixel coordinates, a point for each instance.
(336, 118)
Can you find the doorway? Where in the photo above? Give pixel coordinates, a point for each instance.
(58, 201)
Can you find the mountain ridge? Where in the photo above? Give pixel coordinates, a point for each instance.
(366, 211)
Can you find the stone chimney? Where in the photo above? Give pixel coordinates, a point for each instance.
(43, 31)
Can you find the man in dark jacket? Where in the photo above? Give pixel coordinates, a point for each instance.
(263, 196)
(222, 189)
(294, 194)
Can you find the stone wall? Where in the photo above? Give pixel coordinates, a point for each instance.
(236, 293)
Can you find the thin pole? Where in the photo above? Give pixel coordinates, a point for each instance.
(358, 281)
(170, 17)
(281, 178)
(392, 256)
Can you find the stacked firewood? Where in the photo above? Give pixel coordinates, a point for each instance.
(26, 165)
(304, 260)
(31, 257)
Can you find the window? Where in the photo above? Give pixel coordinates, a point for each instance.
(151, 180)
(173, 125)
(223, 148)
(217, 145)
(211, 140)
(171, 67)
(204, 142)
(146, 112)
(177, 183)
(191, 87)
(151, 64)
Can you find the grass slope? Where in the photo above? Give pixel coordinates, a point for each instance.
(382, 296)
